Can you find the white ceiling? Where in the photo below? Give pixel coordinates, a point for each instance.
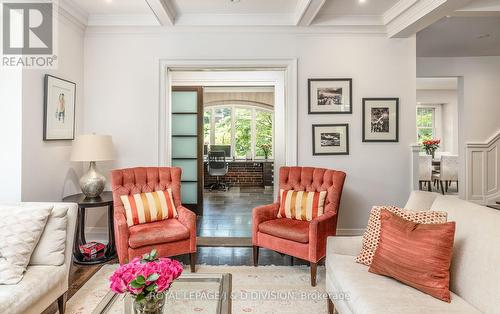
(115, 7)
(354, 7)
(461, 36)
(393, 18)
(437, 83)
(228, 7)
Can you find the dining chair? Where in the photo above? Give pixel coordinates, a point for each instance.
(448, 172)
(425, 171)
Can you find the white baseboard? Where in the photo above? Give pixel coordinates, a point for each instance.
(350, 232)
(100, 234)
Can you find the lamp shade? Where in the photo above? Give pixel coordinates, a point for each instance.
(93, 147)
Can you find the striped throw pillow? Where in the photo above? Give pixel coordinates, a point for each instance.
(301, 205)
(148, 207)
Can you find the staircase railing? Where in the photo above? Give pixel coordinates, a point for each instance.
(483, 170)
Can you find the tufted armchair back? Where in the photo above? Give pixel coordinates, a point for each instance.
(145, 179)
(314, 180)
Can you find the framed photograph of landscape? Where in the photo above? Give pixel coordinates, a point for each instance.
(330, 139)
(330, 96)
(59, 109)
(380, 119)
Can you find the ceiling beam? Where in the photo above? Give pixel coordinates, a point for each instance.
(306, 11)
(421, 14)
(163, 10)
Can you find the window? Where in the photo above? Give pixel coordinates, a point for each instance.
(222, 131)
(248, 129)
(242, 131)
(264, 132)
(207, 121)
(426, 128)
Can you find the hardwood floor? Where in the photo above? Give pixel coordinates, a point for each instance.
(226, 214)
(229, 214)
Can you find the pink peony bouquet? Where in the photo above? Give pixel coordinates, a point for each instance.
(145, 277)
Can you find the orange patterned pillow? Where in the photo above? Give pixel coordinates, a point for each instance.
(372, 232)
(301, 205)
(418, 255)
(148, 207)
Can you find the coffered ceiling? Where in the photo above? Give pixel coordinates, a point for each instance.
(393, 18)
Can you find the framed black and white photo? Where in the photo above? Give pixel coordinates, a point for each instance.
(330, 96)
(330, 139)
(59, 109)
(380, 119)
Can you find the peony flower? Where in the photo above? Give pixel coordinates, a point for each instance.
(167, 270)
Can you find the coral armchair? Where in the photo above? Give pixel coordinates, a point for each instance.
(169, 237)
(302, 239)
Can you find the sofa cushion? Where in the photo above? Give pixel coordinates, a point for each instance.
(418, 255)
(37, 281)
(372, 232)
(164, 231)
(290, 229)
(20, 230)
(371, 293)
(51, 247)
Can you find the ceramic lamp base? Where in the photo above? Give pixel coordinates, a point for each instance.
(92, 183)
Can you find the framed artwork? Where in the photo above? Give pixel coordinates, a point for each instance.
(380, 119)
(58, 109)
(330, 96)
(330, 139)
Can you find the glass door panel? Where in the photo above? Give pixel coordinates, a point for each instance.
(189, 168)
(185, 124)
(187, 143)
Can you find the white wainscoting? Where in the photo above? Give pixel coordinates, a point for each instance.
(483, 170)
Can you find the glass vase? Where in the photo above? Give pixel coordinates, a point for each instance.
(152, 304)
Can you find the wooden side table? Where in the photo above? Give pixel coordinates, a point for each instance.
(106, 199)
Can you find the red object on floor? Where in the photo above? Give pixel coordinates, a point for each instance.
(92, 249)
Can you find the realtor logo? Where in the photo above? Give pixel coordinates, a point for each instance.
(28, 34)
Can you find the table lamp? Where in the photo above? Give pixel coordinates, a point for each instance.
(92, 148)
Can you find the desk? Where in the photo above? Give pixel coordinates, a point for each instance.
(244, 173)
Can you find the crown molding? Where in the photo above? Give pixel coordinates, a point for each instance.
(397, 9)
(74, 13)
(420, 15)
(338, 30)
(308, 16)
(163, 10)
(122, 20)
(300, 10)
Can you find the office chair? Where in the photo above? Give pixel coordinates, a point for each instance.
(217, 166)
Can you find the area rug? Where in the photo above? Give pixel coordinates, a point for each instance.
(263, 289)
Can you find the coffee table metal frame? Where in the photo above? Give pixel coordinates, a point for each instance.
(223, 306)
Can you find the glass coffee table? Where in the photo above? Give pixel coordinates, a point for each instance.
(190, 293)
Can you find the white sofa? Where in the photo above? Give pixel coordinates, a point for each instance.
(43, 284)
(475, 270)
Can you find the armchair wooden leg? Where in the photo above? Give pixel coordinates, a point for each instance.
(331, 306)
(192, 262)
(429, 188)
(442, 187)
(314, 269)
(255, 255)
(61, 302)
